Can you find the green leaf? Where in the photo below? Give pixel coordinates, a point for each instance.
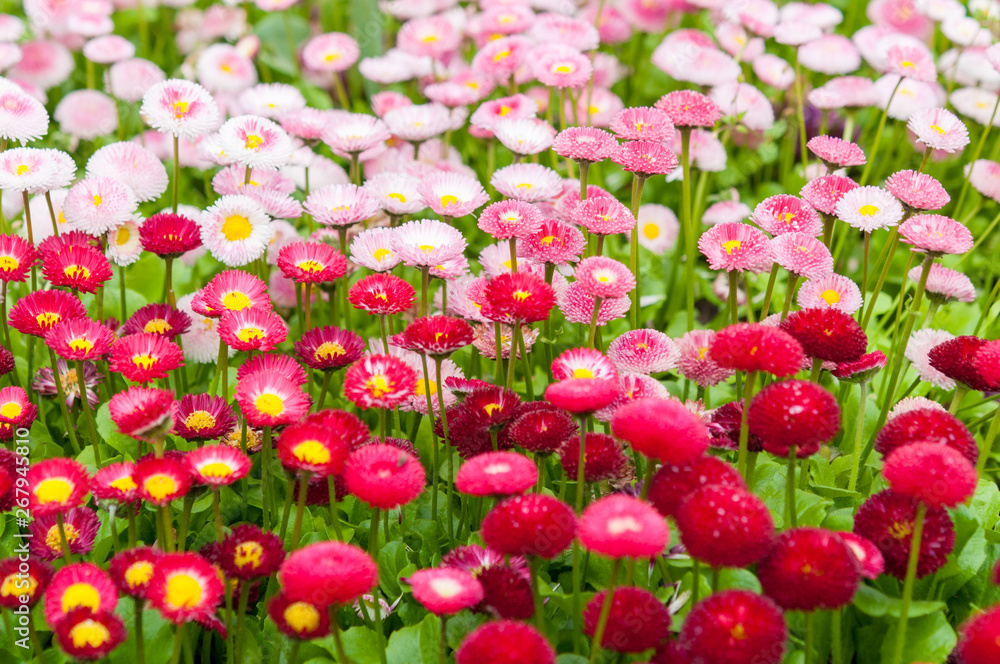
(570, 658)
(416, 644)
(461, 625)
(875, 603)
(928, 639)
(360, 645)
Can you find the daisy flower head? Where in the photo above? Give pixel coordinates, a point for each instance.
(223, 68)
(917, 351)
(643, 123)
(312, 448)
(774, 71)
(833, 291)
(836, 152)
(552, 27)
(520, 641)
(658, 227)
(735, 247)
(202, 417)
(603, 215)
(510, 219)
(252, 329)
(144, 357)
(37, 312)
(757, 347)
(355, 133)
(56, 485)
(298, 620)
(180, 108)
(129, 79)
(142, 412)
(169, 235)
(232, 290)
(398, 193)
(379, 381)
(28, 169)
(452, 194)
(984, 176)
(578, 307)
(160, 481)
(372, 248)
(745, 104)
(328, 348)
(604, 277)
(617, 526)
(184, 587)
(644, 351)
(254, 142)
(99, 204)
(645, 158)
(583, 363)
(79, 339)
(437, 336)
(917, 191)
(561, 66)
(428, 242)
(384, 476)
(830, 54)
(382, 295)
(23, 583)
(555, 242)
(585, 144)
(82, 586)
(274, 363)
(17, 257)
(434, 36)
(688, 108)
(272, 100)
(268, 400)
(955, 359)
(802, 255)
(22, 117)
(945, 284)
(911, 62)
(783, 213)
(327, 573)
(86, 115)
(935, 235)
(418, 123)
(939, 129)
(331, 52)
(446, 590)
(823, 193)
(236, 230)
(135, 166)
(524, 136)
(341, 205)
(974, 103)
(527, 182)
(523, 298)
(311, 262)
(81, 268)
(248, 553)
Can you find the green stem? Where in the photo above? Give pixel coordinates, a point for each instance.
(87, 414)
(687, 225)
(810, 637)
(533, 563)
(177, 175)
(175, 657)
(858, 434)
(734, 281)
(451, 457)
(61, 398)
(435, 464)
(911, 575)
(499, 351)
(888, 253)
(63, 542)
(638, 182)
(140, 641)
(991, 436)
(864, 270)
(744, 429)
(372, 549)
(793, 280)
(592, 334)
(217, 509)
(334, 512)
(791, 516)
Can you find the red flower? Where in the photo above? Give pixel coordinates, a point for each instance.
(862, 369)
(506, 592)
(604, 458)
(311, 262)
(37, 312)
(809, 569)
(646, 158)
(955, 359)
(84, 634)
(638, 620)
(445, 590)
(232, 290)
(496, 474)
(987, 363)
(56, 485)
(505, 642)
(114, 482)
(169, 235)
(437, 336)
(868, 556)
(926, 425)
(328, 348)
(17, 256)
(79, 339)
(384, 476)
(161, 319)
(672, 483)
(202, 417)
(249, 553)
(298, 620)
(132, 570)
(140, 412)
(725, 526)
(143, 358)
(490, 407)
(273, 363)
(734, 627)
(980, 638)
(252, 329)
(887, 520)
(379, 381)
(327, 573)
(935, 474)
(756, 347)
(217, 465)
(80, 526)
(269, 400)
(23, 579)
(83, 269)
(160, 481)
(619, 526)
(381, 294)
(827, 334)
(78, 585)
(794, 413)
(662, 429)
(184, 587)
(523, 297)
(541, 430)
(535, 524)
(582, 395)
(311, 447)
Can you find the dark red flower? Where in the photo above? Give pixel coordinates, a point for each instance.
(638, 620)
(540, 429)
(159, 319)
(535, 524)
(756, 347)
(662, 429)
(725, 526)
(506, 593)
(827, 334)
(84, 634)
(794, 413)
(437, 336)
(926, 425)
(724, 428)
(382, 294)
(887, 519)
(935, 474)
(169, 235)
(491, 407)
(862, 369)
(955, 358)
(505, 642)
(987, 363)
(672, 483)
(604, 458)
(734, 627)
(808, 569)
(521, 297)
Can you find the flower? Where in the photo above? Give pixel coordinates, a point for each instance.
(233, 290)
(522, 297)
(496, 474)
(793, 414)
(141, 412)
(585, 144)
(145, 357)
(617, 526)
(311, 262)
(644, 351)
(135, 166)
(418, 123)
(379, 381)
(184, 587)
(827, 334)
(445, 590)
(505, 642)
(658, 227)
(578, 307)
(672, 483)
(936, 234)
(329, 348)
(384, 476)
(637, 620)
(327, 573)
(831, 291)
(561, 66)
(735, 247)
(954, 358)
(646, 158)
(603, 215)
(341, 205)
(917, 352)
(355, 133)
(694, 361)
(248, 553)
(17, 257)
(23, 583)
(911, 62)
(661, 429)
(809, 569)
(786, 214)
(937, 475)
(372, 248)
(81, 268)
(836, 152)
(84, 634)
(298, 620)
(534, 524)
(114, 483)
(56, 485)
(725, 526)
(938, 129)
(802, 255)
(524, 136)
(330, 52)
(180, 108)
(756, 347)
(917, 191)
(269, 400)
(527, 182)
(236, 230)
(490, 407)
(604, 457)
(159, 319)
(978, 642)
(540, 430)
(86, 115)
(735, 627)
(687, 108)
(78, 585)
(604, 277)
(869, 209)
(452, 194)
(23, 117)
(317, 449)
(510, 219)
(252, 329)
(861, 370)
(80, 526)
(887, 520)
(161, 481)
(382, 294)
(217, 465)
(436, 336)
(582, 395)
(823, 193)
(867, 554)
(428, 242)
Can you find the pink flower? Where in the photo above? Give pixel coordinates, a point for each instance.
(695, 363)
(86, 114)
(836, 152)
(561, 66)
(917, 349)
(830, 54)
(445, 590)
(604, 277)
(578, 307)
(936, 234)
(945, 284)
(22, 118)
(802, 255)
(331, 52)
(939, 129)
(98, 205)
(735, 247)
(746, 104)
(917, 191)
(452, 194)
(585, 144)
(911, 62)
(502, 57)
(832, 291)
(180, 108)
(604, 216)
(786, 214)
(687, 108)
(134, 165)
(510, 219)
(644, 351)
(555, 242)
(491, 112)
(984, 176)
(619, 526)
(553, 28)
(355, 133)
(342, 205)
(646, 158)
(643, 123)
(524, 136)
(825, 192)
(433, 36)
(254, 142)
(418, 123)
(527, 182)
(129, 80)
(869, 209)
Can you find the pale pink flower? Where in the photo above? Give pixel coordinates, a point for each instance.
(427, 242)
(180, 108)
(463, 89)
(551, 28)
(975, 103)
(936, 234)
(917, 191)
(688, 108)
(134, 165)
(129, 80)
(783, 213)
(578, 306)
(271, 100)
(35, 170)
(44, 63)
(854, 91)
(908, 404)
(833, 291)
(86, 114)
(418, 123)
(658, 228)
(527, 182)
(917, 348)
(823, 193)
(823, 16)
(984, 176)
(830, 54)
(372, 248)
(746, 104)
(604, 277)
(646, 158)
(254, 142)
(725, 212)
(452, 194)
(355, 133)
(794, 33)
(836, 152)
(108, 49)
(433, 36)
(701, 66)
(499, 20)
(305, 123)
(735, 41)
(735, 247)
(394, 67)
(644, 351)
(560, 66)
(945, 284)
(502, 57)
(774, 71)
(556, 242)
(332, 52)
(648, 16)
(608, 70)
(603, 215)
(939, 129)
(98, 205)
(585, 144)
(489, 113)
(223, 68)
(631, 387)
(900, 15)
(524, 136)
(802, 255)
(912, 96)
(399, 194)
(694, 361)
(342, 205)
(643, 123)
(869, 209)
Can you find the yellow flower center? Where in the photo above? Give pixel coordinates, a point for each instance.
(53, 490)
(248, 554)
(939, 130)
(425, 387)
(11, 410)
(76, 272)
(900, 531)
(123, 236)
(831, 296)
(738, 632)
(98, 200)
(81, 345)
(22, 169)
(144, 361)
(199, 420)
(378, 386)
(562, 69)
(381, 254)
(124, 484)
(651, 231)
(310, 266)
(81, 594)
(270, 404)
(399, 197)
(236, 227)
(139, 573)
(730, 246)
(330, 57)
(90, 633)
(312, 452)
(157, 326)
(183, 591)
(582, 372)
(216, 469)
(235, 300)
(302, 617)
(47, 319)
(868, 210)
(160, 486)
(253, 142)
(180, 109)
(448, 199)
(248, 334)
(521, 295)
(14, 584)
(328, 350)
(54, 541)
(490, 407)
(8, 263)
